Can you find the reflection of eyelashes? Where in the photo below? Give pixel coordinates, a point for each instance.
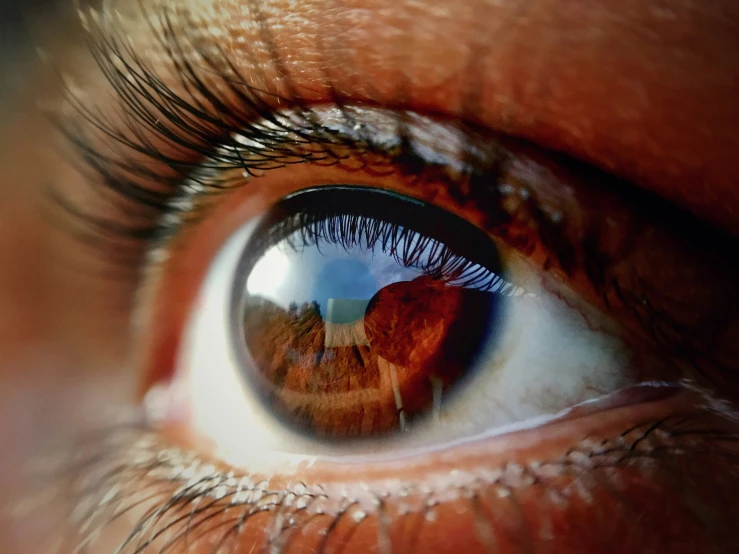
(407, 248)
(465, 258)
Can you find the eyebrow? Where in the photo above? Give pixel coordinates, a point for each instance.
(553, 95)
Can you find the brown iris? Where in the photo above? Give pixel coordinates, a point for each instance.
(360, 319)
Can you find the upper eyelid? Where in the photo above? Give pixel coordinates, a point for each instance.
(162, 468)
(186, 120)
(332, 135)
(150, 99)
(675, 143)
(147, 99)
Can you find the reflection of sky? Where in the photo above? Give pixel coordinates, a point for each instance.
(344, 279)
(284, 275)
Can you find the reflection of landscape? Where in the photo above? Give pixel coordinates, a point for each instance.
(370, 375)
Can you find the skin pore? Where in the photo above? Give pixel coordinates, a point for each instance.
(644, 90)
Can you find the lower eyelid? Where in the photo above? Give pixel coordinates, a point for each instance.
(596, 472)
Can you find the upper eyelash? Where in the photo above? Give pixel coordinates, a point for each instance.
(194, 132)
(247, 133)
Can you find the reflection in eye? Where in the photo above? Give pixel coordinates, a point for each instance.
(336, 290)
(445, 342)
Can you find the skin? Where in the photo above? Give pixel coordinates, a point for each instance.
(644, 90)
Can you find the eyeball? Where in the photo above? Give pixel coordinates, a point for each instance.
(349, 321)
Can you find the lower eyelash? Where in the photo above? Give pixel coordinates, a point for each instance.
(175, 498)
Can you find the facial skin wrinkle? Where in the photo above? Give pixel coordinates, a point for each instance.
(275, 56)
(479, 51)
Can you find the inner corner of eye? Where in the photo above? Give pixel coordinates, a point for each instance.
(346, 313)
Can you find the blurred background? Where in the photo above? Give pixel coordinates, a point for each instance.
(20, 22)
(34, 406)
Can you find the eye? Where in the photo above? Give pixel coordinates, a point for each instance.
(356, 318)
(347, 312)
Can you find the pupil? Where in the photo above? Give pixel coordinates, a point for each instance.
(363, 310)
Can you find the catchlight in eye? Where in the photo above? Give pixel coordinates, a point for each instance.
(359, 311)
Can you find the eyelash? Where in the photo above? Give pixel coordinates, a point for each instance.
(408, 248)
